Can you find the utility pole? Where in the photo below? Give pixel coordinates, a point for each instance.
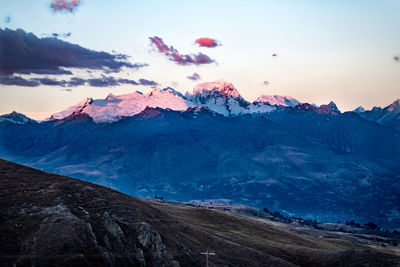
(207, 254)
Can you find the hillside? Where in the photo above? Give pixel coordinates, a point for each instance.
(48, 219)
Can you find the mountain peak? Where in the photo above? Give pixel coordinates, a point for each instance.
(395, 106)
(221, 86)
(110, 96)
(305, 106)
(168, 90)
(173, 91)
(16, 117)
(330, 108)
(277, 100)
(359, 110)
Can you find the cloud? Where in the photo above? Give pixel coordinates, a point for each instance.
(111, 81)
(207, 42)
(174, 55)
(127, 81)
(62, 35)
(147, 82)
(24, 52)
(194, 77)
(103, 81)
(46, 72)
(65, 5)
(73, 82)
(15, 80)
(52, 82)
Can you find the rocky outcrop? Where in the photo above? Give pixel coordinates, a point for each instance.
(59, 223)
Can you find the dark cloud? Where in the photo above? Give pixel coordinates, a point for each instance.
(15, 80)
(111, 81)
(194, 77)
(180, 59)
(65, 5)
(396, 58)
(147, 82)
(63, 35)
(207, 42)
(73, 82)
(52, 82)
(103, 82)
(127, 81)
(46, 72)
(21, 51)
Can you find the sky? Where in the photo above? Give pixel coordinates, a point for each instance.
(341, 51)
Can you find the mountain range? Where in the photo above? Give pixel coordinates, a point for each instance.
(219, 96)
(211, 144)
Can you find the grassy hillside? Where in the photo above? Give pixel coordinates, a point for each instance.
(49, 219)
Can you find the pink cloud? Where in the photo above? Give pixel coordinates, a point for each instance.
(194, 77)
(207, 42)
(65, 5)
(174, 55)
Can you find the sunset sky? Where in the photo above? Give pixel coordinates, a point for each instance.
(325, 50)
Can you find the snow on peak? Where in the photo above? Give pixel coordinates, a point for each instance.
(359, 110)
(113, 107)
(15, 117)
(395, 106)
(110, 96)
(218, 96)
(78, 108)
(223, 87)
(277, 100)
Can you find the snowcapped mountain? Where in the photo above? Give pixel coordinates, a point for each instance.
(277, 100)
(114, 107)
(16, 118)
(219, 87)
(219, 96)
(388, 116)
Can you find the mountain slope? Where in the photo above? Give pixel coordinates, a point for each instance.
(16, 118)
(46, 219)
(286, 101)
(344, 133)
(115, 107)
(388, 116)
(321, 166)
